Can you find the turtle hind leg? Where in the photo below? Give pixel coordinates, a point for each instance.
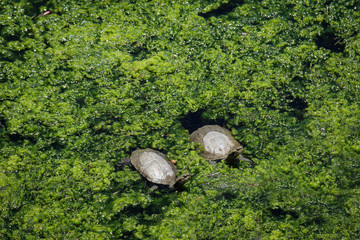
(152, 189)
(123, 163)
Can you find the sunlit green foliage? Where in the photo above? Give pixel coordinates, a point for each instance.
(86, 84)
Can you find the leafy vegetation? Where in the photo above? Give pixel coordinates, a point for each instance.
(90, 81)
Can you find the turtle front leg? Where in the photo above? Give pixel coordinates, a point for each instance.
(242, 158)
(152, 188)
(234, 160)
(179, 184)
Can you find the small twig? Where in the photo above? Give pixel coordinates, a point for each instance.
(42, 14)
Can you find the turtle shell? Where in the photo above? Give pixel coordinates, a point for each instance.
(153, 166)
(218, 142)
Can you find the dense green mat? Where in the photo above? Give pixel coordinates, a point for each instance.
(85, 84)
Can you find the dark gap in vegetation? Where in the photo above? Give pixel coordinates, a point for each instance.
(18, 138)
(139, 51)
(282, 213)
(32, 10)
(222, 9)
(20, 55)
(156, 208)
(319, 220)
(229, 195)
(330, 41)
(8, 37)
(3, 137)
(195, 120)
(80, 101)
(8, 56)
(14, 210)
(2, 123)
(127, 234)
(352, 5)
(294, 98)
(57, 146)
(297, 103)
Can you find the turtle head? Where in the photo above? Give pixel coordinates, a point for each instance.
(124, 162)
(239, 149)
(180, 181)
(242, 158)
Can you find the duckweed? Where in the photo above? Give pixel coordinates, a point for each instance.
(90, 81)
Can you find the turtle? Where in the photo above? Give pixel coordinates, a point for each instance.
(219, 144)
(153, 166)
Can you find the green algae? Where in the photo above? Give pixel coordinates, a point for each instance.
(88, 83)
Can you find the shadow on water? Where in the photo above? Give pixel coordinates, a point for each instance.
(19, 139)
(223, 9)
(279, 213)
(195, 120)
(229, 195)
(298, 105)
(330, 41)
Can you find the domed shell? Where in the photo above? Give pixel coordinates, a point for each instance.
(154, 166)
(218, 142)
